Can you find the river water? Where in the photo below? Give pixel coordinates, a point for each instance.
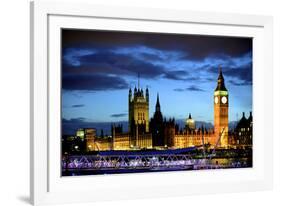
(197, 164)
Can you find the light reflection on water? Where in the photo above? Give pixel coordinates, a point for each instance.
(220, 163)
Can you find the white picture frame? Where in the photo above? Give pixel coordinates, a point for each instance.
(46, 184)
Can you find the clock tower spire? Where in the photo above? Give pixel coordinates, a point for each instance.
(221, 112)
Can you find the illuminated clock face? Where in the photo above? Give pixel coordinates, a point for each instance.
(224, 100)
(216, 100)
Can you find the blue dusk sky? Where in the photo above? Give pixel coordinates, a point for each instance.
(99, 67)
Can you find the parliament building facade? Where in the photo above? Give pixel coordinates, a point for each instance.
(159, 132)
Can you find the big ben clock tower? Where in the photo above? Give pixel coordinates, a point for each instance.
(221, 112)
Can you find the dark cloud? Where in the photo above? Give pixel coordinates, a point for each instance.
(119, 115)
(236, 74)
(243, 75)
(93, 82)
(151, 57)
(77, 105)
(201, 47)
(74, 120)
(190, 88)
(82, 38)
(111, 63)
(97, 61)
(179, 90)
(176, 75)
(195, 88)
(240, 83)
(196, 47)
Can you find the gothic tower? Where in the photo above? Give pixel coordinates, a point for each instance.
(221, 112)
(157, 126)
(190, 123)
(138, 110)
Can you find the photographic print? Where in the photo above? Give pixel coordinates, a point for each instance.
(154, 102)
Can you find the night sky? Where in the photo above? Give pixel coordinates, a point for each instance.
(99, 67)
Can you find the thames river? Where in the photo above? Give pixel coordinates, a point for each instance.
(97, 165)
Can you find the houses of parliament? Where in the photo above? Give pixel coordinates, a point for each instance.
(160, 133)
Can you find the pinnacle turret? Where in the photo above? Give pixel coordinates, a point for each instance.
(220, 85)
(157, 103)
